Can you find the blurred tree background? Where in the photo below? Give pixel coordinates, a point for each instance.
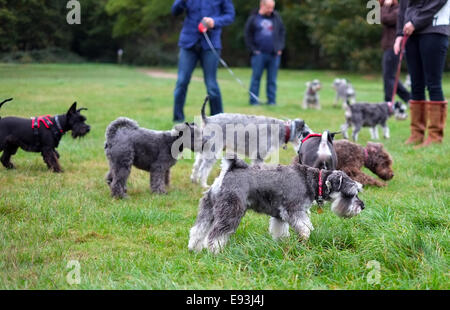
(321, 34)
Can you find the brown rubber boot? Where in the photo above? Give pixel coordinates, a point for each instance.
(418, 113)
(437, 115)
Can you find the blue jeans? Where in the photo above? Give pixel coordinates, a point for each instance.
(188, 59)
(260, 62)
(426, 54)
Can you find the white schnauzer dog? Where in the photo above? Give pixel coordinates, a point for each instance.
(345, 91)
(311, 97)
(253, 136)
(129, 145)
(286, 193)
(371, 115)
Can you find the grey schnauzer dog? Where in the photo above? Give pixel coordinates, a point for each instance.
(253, 136)
(40, 134)
(371, 115)
(129, 145)
(311, 97)
(286, 193)
(317, 151)
(345, 91)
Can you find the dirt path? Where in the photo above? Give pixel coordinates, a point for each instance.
(160, 74)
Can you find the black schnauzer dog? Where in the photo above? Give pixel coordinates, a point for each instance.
(40, 135)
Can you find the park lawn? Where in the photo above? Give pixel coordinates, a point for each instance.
(47, 220)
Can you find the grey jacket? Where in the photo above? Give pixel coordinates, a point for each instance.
(427, 16)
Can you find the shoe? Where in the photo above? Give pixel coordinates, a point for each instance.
(271, 103)
(418, 121)
(437, 115)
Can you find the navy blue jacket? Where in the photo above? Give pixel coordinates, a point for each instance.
(222, 11)
(279, 32)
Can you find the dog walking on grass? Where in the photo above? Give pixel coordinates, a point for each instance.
(40, 134)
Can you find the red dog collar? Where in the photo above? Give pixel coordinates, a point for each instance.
(311, 135)
(320, 197)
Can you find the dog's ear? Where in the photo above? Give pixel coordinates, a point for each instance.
(334, 182)
(72, 109)
(331, 135)
(299, 124)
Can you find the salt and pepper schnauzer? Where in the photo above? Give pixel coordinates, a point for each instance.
(345, 91)
(317, 151)
(311, 97)
(267, 135)
(40, 135)
(352, 157)
(285, 193)
(129, 145)
(371, 115)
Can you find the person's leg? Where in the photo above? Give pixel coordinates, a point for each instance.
(273, 63)
(433, 48)
(388, 67)
(186, 64)
(257, 62)
(415, 68)
(390, 64)
(417, 102)
(210, 63)
(434, 51)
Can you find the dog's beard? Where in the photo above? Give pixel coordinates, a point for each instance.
(345, 207)
(80, 131)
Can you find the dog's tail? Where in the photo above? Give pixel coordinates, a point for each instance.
(121, 122)
(204, 117)
(5, 101)
(324, 153)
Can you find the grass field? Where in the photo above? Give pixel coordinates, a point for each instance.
(47, 220)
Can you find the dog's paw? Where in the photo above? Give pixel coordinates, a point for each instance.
(10, 166)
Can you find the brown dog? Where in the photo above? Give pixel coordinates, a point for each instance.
(352, 157)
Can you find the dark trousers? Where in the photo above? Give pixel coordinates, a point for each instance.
(188, 60)
(426, 54)
(390, 64)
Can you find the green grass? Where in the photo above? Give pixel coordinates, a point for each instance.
(48, 219)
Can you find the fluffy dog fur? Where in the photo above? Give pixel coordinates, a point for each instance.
(285, 193)
(371, 115)
(128, 145)
(352, 157)
(242, 143)
(17, 132)
(344, 91)
(311, 97)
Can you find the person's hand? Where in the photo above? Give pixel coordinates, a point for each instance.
(408, 29)
(279, 53)
(209, 22)
(388, 3)
(397, 45)
(257, 52)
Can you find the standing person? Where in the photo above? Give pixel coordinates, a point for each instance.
(389, 13)
(265, 37)
(194, 47)
(427, 22)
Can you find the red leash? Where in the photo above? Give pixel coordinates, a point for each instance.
(399, 68)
